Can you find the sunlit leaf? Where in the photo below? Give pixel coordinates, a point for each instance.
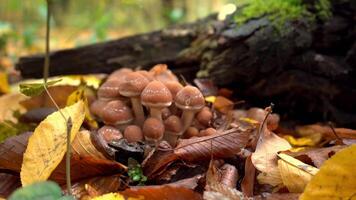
(111, 196)
(35, 89)
(311, 140)
(4, 84)
(223, 105)
(9, 103)
(336, 178)
(47, 146)
(295, 174)
(79, 95)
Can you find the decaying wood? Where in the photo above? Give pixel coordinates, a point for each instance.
(308, 71)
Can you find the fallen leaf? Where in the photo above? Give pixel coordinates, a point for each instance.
(35, 89)
(4, 84)
(206, 86)
(327, 132)
(223, 105)
(295, 174)
(276, 196)
(316, 156)
(160, 192)
(47, 145)
(336, 178)
(41, 190)
(84, 146)
(112, 196)
(8, 184)
(79, 95)
(249, 179)
(97, 186)
(220, 145)
(9, 103)
(310, 140)
(265, 157)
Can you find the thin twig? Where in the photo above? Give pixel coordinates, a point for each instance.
(334, 132)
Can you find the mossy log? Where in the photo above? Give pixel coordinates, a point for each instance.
(309, 72)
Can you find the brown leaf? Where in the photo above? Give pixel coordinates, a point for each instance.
(84, 146)
(276, 196)
(161, 192)
(189, 183)
(221, 145)
(327, 131)
(8, 184)
(223, 104)
(11, 155)
(249, 179)
(317, 156)
(97, 186)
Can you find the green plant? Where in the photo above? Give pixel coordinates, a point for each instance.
(135, 172)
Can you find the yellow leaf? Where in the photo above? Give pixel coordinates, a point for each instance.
(47, 145)
(310, 140)
(295, 174)
(4, 84)
(210, 99)
(115, 196)
(336, 178)
(79, 95)
(223, 104)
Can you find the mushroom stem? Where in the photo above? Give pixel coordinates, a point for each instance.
(156, 113)
(138, 110)
(171, 137)
(187, 118)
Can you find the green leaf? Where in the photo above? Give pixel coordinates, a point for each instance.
(47, 190)
(135, 172)
(9, 128)
(35, 89)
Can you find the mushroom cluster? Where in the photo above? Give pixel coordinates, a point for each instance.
(150, 106)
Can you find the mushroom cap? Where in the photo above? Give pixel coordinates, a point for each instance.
(207, 132)
(173, 124)
(174, 87)
(162, 73)
(156, 94)
(116, 113)
(132, 84)
(109, 90)
(110, 133)
(97, 107)
(153, 129)
(191, 132)
(189, 98)
(146, 74)
(166, 113)
(204, 116)
(133, 133)
(119, 73)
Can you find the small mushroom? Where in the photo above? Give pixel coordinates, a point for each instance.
(204, 116)
(118, 74)
(173, 126)
(146, 74)
(162, 73)
(110, 133)
(97, 107)
(131, 86)
(259, 115)
(109, 90)
(190, 100)
(153, 130)
(133, 133)
(207, 132)
(166, 113)
(116, 113)
(191, 132)
(173, 86)
(156, 96)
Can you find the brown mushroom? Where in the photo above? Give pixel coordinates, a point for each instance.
(118, 74)
(191, 132)
(153, 130)
(131, 86)
(162, 73)
(156, 96)
(97, 107)
(109, 90)
(110, 133)
(173, 126)
(204, 116)
(207, 132)
(190, 100)
(166, 113)
(133, 133)
(174, 87)
(146, 74)
(259, 115)
(118, 114)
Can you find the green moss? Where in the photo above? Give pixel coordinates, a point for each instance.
(280, 11)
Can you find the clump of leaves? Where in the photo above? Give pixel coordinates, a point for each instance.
(9, 128)
(135, 172)
(280, 11)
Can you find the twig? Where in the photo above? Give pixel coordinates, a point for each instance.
(334, 132)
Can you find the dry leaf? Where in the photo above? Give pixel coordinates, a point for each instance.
(84, 146)
(221, 145)
(327, 132)
(265, 157)
(223, 104)
(4, 84)
(161, 192)
(276, 196)
(295, 174)
(112, 196)
(317, 156)
(8, 183)
(10, 103)
(249, 179)
(96, 186)
(310, 140)
(336, 178)
(47, 145)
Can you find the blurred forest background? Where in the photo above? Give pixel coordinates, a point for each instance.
(79, 22)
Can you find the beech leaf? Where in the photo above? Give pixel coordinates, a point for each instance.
(8, 184)
(295, 174)
(47, 145)
(35, 89)
(336, 178)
